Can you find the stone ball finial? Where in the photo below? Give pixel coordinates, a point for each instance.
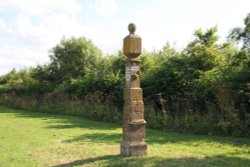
(131, 28)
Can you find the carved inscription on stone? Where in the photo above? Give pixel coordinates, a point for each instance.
(128, 74)
(134, 66)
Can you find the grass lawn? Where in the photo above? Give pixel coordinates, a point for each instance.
(30, 139)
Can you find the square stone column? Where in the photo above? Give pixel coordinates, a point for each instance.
(133, 115)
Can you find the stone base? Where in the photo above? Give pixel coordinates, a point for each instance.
(129, 149)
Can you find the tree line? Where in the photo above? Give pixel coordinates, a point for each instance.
(203, 88)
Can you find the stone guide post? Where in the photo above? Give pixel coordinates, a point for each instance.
(133, 115)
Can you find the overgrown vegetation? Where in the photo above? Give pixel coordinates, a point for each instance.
(203, 89)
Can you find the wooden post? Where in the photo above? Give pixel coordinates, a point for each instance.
(133, 115)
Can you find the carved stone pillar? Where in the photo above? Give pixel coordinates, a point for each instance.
(133, 115)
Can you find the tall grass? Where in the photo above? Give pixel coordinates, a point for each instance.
(180, 115)
(62, 104)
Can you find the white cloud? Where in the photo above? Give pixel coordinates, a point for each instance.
(42, 23)
(105, 7)
(2, 24)
(22, 29)
(12, 57)
(47, 32)
(144, 13)
(37, 27)
(41, 7)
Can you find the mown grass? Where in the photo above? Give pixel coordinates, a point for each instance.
(30, 139)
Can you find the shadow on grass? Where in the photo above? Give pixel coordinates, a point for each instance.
(98, 137)
(152, 136)
(158, 137)
(163, 138)
(118, 161)
(88, 160)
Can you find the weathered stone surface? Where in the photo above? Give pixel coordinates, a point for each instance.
(133, 115)
(130, 149)
(134, 131)
(134, 111)
(132, 94)
(132, 43)
(136, 106)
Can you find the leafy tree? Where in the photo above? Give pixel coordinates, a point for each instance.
(204, 54)
(242, 34)
(73, 58)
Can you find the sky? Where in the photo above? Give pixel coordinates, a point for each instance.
(29, 29)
